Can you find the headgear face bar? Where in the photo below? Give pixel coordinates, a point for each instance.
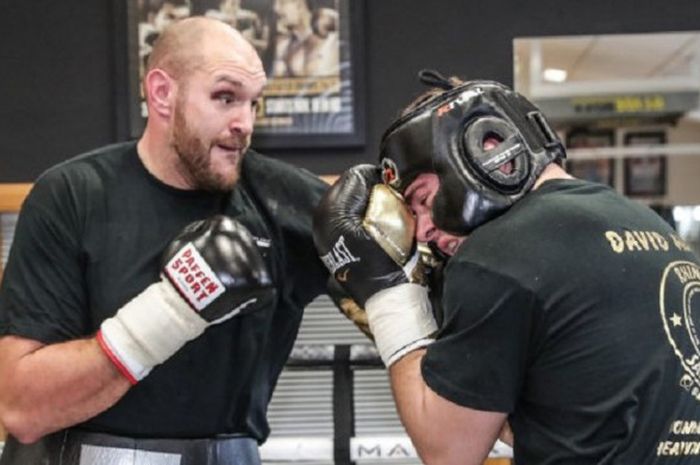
(445, 135)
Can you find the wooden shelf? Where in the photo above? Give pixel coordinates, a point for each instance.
(12, 195)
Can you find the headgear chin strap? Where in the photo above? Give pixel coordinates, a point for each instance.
(445, 135)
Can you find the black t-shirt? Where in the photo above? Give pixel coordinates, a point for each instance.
(89, 238)
(576, 313)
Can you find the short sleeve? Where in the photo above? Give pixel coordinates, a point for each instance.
(480, 356)
(43, 294)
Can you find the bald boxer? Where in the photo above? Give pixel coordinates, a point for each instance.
(154, 288)
(569, 310)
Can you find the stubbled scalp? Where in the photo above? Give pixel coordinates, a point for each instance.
(179, 48)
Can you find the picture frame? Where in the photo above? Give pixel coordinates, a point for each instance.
(645, 176)
(315, 94)
(600, 170)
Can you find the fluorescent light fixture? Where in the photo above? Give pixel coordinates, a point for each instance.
(554, 75)
(681, 214)
(696, 213)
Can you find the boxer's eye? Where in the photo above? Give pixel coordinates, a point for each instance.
(225, 97)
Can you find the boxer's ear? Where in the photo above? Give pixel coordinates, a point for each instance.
(160, 91)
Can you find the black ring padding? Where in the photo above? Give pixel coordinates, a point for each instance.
(343, 405)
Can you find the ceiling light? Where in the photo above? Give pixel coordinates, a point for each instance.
(554, 75)
(681, 214)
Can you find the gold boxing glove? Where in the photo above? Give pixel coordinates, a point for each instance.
(365, 235)
(390, 222)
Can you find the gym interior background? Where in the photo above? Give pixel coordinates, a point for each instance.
(62, 90)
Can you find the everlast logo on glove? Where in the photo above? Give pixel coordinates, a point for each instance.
(193, 278)
(339, 256)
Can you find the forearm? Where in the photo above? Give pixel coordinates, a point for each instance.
(441, 431)
(51, 387)
(409, 392)
(364, 233)
(44, 388)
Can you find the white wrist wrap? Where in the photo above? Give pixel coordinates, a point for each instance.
(401, 319)
(149, 329)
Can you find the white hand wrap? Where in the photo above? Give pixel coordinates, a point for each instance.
(401, 319)
(148, 330)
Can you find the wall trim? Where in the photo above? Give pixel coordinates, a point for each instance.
(12, 195)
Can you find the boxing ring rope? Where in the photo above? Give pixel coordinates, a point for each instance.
(363, 449)
(622, 152)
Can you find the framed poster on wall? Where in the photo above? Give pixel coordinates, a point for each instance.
(645, 176)
(600, 170)
(312, 51)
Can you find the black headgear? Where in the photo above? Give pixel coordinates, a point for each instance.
(445, 135)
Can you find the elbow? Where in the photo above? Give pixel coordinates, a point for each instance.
(28, 438)
(430, 455)
(21, 426)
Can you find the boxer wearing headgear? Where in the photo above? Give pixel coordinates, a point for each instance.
(550, 322)
(445, 134)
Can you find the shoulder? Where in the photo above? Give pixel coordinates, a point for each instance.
(288, 193)
(469, 262)
(508, 249)
(73, 180)
(92, 164)
(276, 177)
(474, 290)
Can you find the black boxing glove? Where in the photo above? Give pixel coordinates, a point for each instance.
(212, 271)
(365, 235)
(223, 246)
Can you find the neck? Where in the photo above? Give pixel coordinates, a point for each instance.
(551, 171)
(161, 161)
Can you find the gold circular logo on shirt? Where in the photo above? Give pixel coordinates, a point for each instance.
(679, 302)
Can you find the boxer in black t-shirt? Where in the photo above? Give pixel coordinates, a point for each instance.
(569, 311)
(154, 289)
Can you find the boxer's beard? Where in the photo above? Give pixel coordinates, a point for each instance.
(195, 158)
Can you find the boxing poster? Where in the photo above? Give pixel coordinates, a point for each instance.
(645, 176)
(311, 52)
(600, 170)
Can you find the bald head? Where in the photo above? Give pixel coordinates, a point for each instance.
(202, 88)
(188, 44)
